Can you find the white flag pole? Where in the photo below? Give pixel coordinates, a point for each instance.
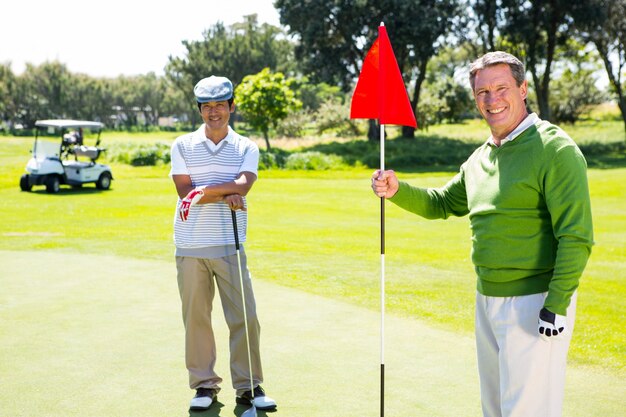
(382, 272)
(382, 278)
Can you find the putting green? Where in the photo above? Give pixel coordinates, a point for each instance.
(102, 336)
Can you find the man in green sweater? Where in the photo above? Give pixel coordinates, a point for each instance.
(525, 191)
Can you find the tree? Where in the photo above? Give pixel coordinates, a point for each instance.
(138, 99)
(42, 92)
(446, 95)
(575, 91)
(150, 96)
(125, 101)
(8, 93)
(234, 52)
(313, 95)
(533, 30)
(176, 102)
(332, 47)
(264, 99)
(487, 13)
(538, 27)
(484, 22)
(90, 98)
(602, 22)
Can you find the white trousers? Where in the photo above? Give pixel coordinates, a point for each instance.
(521, 375)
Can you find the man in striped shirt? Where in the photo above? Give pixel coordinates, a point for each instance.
(213, 170)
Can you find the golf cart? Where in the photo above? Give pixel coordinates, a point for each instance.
(53, 164)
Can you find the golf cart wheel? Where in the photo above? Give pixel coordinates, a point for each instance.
(25, 183)
(53, 184)
(104, 181)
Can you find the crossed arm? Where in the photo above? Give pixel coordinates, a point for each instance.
(231, 192)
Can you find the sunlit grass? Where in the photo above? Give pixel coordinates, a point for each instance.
(319, 232)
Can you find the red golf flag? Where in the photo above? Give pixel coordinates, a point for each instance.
(380, 92)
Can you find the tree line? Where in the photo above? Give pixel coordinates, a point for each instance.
(565, 45)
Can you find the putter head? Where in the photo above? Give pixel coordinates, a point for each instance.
(250, 412)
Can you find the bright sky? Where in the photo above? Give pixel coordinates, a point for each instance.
(107, 38)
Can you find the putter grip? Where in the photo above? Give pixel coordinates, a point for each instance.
(234, 214)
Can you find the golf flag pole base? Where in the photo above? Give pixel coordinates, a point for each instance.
(382, 390)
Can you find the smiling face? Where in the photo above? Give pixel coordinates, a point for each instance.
(500, 100)
(216, 115)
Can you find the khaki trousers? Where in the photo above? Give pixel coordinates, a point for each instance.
(521, 375)
(196, 283)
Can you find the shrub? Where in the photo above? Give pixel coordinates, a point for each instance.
(293, 126)
(572, 94)
(316, 161)
(141, 154)
(403, 153)
(335, 116)
(272, 160)
(267, 161)
(313, 95)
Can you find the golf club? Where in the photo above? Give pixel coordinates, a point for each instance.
(251, 412)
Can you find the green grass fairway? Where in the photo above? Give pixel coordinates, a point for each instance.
(89, 335)
(89, 310)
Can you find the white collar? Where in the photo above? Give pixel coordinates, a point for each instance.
(200, 136)
(530, 120)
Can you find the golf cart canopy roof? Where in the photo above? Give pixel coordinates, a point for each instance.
(61, 123)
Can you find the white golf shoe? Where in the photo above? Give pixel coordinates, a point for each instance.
(203, 399)
(261, 401)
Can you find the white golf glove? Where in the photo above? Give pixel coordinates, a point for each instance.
(190, 199)
(551, 325)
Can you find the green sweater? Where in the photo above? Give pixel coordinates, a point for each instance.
(529, 210)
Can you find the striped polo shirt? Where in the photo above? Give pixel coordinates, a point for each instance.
(208, 231)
